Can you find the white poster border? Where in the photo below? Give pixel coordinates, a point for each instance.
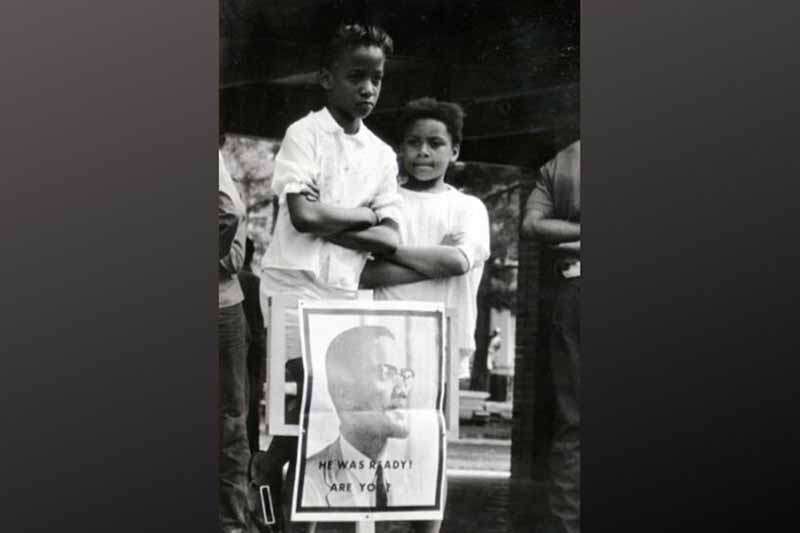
(359, 514)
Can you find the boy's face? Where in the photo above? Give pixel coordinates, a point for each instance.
(427, 149)
(353, 83)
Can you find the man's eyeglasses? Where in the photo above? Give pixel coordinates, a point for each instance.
(388, 372)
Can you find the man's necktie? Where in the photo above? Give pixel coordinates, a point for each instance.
(381, 499)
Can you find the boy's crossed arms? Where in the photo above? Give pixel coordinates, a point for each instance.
(409, 264)
(357, 228)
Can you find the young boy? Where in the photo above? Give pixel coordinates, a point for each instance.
(337, 188)
(444, 232)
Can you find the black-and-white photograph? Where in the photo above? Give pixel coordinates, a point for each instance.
(392, 153)
(372, 422)
(399, 266)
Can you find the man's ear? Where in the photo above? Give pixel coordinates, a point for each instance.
(324, 77)
(342, 398)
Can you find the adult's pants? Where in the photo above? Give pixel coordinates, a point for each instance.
(565, 458)
(233, 388)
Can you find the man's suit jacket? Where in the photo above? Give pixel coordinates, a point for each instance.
(318, 481)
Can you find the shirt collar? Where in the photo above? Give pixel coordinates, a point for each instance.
(329, 124)
(350, 453)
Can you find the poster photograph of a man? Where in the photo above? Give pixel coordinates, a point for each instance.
(373, 431)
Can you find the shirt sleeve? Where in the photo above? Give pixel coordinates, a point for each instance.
(473, 224)
(541, 198)
(387, 201)
(230, 211)
(295, 167)
(228, 223)
(233, 261)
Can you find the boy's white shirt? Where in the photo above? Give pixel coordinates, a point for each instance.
(349, 171)
(426, 219)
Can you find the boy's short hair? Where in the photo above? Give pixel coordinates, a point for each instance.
(449, 113)
(349, 36)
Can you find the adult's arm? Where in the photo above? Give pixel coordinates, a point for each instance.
(228, 224)
(231, 212)
(539, 221)
(540, 224)
(233, 261)
(572, 247)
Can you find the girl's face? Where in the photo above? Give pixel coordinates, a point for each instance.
(427, 150)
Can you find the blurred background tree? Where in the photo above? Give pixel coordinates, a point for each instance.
(498, 186)
(251, 162)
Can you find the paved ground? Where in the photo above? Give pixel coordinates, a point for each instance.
(481, 496)
(477, 505)
(479, 454)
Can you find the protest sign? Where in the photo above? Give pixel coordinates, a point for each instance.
(372, 441)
